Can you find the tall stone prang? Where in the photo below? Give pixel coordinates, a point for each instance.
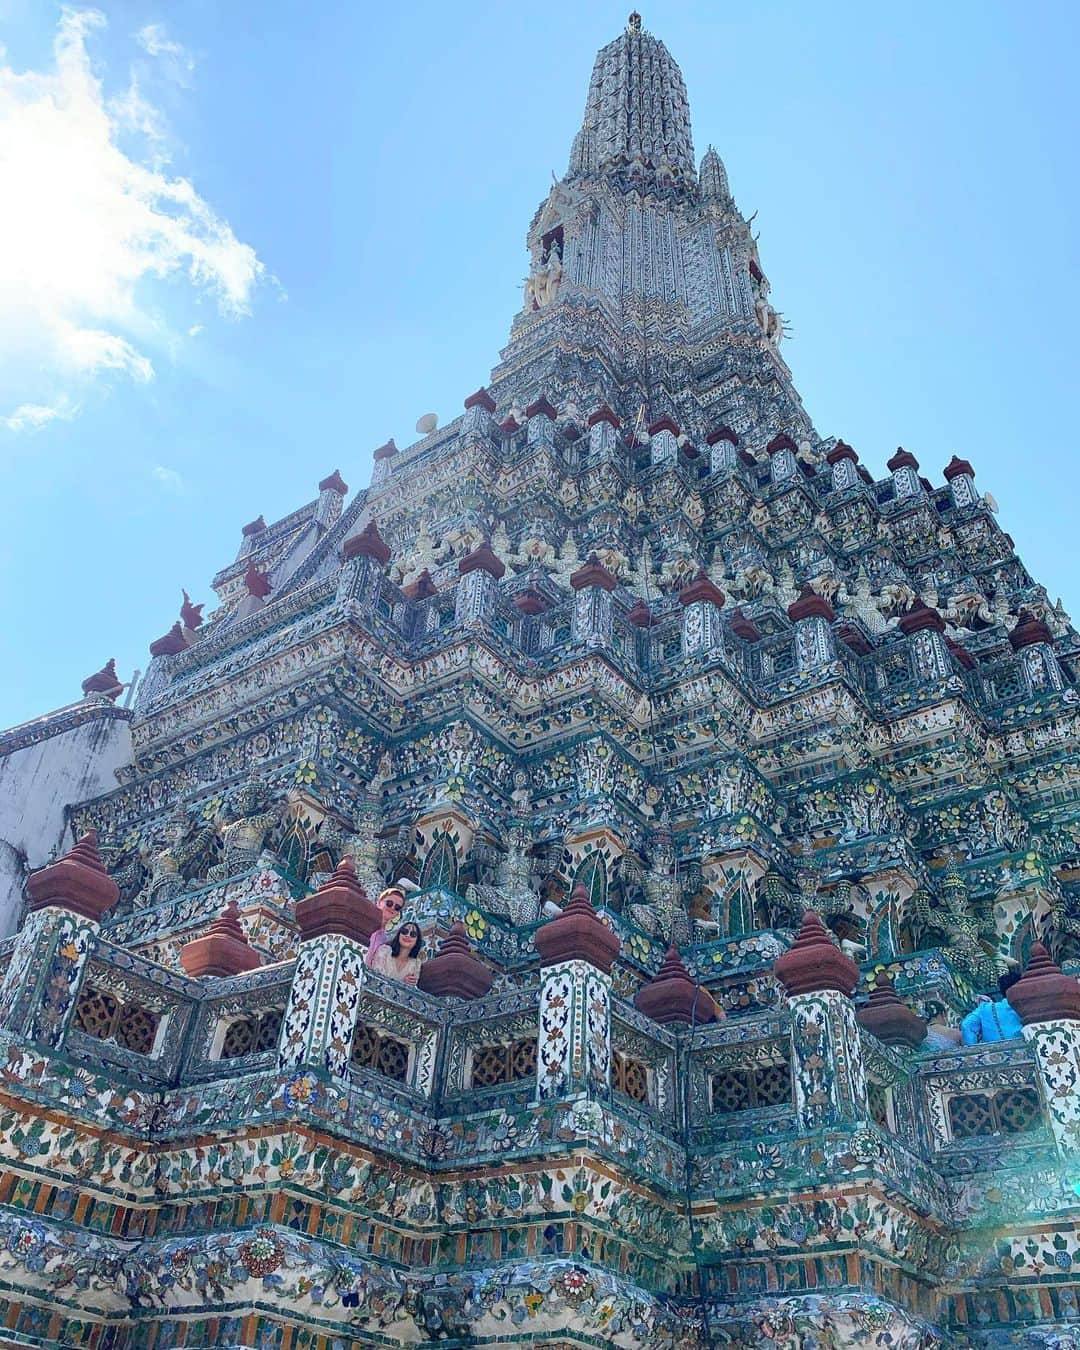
(712, 763)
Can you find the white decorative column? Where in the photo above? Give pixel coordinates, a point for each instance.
(904, 468)
(664, 441)
(573, 1056)
(366, 556)
(813, 617)
(1048, 1003)
(335, 924)
(826, 1052)
(960, 477)
(603, 426)
(591, 617)
(702, 603)
(480, 572)
(723, 450)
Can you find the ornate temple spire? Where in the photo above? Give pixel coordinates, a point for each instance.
(637, 119)
(713, 179)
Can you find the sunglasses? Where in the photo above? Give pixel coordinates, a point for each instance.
(395, 905)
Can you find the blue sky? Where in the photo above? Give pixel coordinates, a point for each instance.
(243, 244)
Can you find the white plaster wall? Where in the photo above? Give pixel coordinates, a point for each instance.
(37, 783)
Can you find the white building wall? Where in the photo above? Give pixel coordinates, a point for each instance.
(46, 766)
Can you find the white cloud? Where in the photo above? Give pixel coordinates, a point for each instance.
(176, 60)
(33, 416)
(169, 479)
(90, 229)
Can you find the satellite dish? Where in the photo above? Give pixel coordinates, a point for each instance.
(427, 424)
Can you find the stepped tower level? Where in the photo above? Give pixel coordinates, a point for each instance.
(709, 765)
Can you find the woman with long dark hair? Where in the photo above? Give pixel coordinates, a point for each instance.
(399, 958)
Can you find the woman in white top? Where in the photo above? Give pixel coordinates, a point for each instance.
(399, 959)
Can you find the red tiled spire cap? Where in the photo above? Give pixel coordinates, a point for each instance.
(481, 399)
(255, 527)
(257, 582)
(594, 573)
(920, 617)
(1044, 993)
(604, 414)
(340, 906)
(815, 962)
(387, 451)
(172, 643)
(369, 543)
(722, 434)
(701, 588)
(423, 588)
(334, 483)
(891, 1021)
(541, 408)
(672, 996)
(810, 605)
(903, 459)
(482, 560)
(1028, 631)
(455, 971)
(222, 950)
(956, 467)
(77, 882)
(104, 681)
(840, 451)
(577, 935)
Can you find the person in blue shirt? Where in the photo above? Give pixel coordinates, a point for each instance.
(993, 1020)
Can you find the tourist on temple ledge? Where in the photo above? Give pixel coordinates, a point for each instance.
(993, 1019)
(399, 957)
(389, 904)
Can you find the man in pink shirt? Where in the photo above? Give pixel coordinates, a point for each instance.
(389, 904)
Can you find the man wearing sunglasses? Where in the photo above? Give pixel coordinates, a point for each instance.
(390, 903)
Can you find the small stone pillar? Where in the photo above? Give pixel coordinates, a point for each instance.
(591, 618)
(479, 408)
(366, 556)
(782, 462)
(603, 426)
(480, 573)
(1047, 1002)
(960, 477)
(723, 450)
(664, 441)
(222, 950)
(891, 1021)
(702, 603)
(926, 629)
(1035, 644)
(672, 996)
(904, 468)
(336, 924)
(541, 423)
(574, 1048)
(381, 469)
(43, 978)
(333, 490)
(826, 1054)
(455, 972)
(845, 466)
(813, 618)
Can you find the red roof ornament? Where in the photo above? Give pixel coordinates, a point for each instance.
(903, 459)
(531, 602)
(810, 605)
(387, 451)
(891, 1021)
(369, 543)
(577, 935)
(334, 483)
(672, 996)
(1028, 631)
(815, 962)
(541, 408)
(594, 573)
(956, 467)
(855, 638)
(781, 442)
(1044, 993)
(961, 653)
(104, 681)
(921, 617)
(171, 644)
(190, 615)
(482, 560)
(423, 588)
(257, 582)
(701, 588)
(665, 423)
(255, 527)
(481, 399)
(641, 616)
(455, 972)
(841, 451)
(604, 414)
(744, 627)
(722, 434)
(340, 906)
(77, 882)
(222, 950)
